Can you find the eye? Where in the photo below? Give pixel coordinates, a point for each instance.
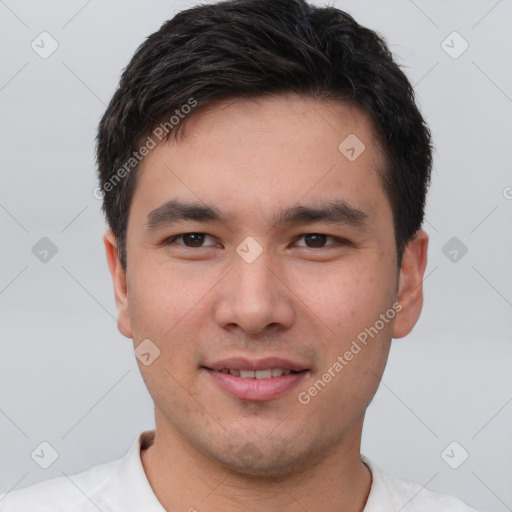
(197, 240)
(189, 240)
(318, 240)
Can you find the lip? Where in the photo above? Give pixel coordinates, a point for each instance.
(242, 363)
(257, 390)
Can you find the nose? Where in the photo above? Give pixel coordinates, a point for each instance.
(254, 297)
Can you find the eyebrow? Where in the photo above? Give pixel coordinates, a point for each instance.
(333, 212)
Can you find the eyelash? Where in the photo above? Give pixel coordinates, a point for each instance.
(337, 241)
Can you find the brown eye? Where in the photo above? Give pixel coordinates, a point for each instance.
(315, 240)
(193, 240)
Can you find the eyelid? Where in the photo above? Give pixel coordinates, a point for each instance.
(337, 240)
(172, 239)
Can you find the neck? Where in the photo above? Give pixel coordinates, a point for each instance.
(184, 478)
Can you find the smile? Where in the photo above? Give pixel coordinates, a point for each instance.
(255, 385)
(257, 374)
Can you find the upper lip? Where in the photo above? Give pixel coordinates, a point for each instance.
(243, 363)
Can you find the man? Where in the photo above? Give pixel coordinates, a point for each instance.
(264, 168)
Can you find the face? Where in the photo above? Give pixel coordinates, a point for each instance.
(262, 268)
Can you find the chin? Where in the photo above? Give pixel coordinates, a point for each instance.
(273, 462)
(263, 469)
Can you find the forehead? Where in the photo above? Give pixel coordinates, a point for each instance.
(291, 122)
(255, 155)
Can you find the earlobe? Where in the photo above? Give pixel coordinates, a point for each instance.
(410, 284)
(119, 281)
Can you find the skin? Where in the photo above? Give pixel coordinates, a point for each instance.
(250, 159)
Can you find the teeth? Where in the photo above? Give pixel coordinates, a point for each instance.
(256, 374)
(263, 374)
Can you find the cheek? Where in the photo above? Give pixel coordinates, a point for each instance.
(167, 311)
(356, 346)
(171, 307)
(350, 298)
(160, 299)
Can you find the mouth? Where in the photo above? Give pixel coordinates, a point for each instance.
(255, 380)
(269, 373)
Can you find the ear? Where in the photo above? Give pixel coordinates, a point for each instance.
(119, 281)
(410, 284)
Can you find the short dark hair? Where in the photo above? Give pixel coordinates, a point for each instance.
(254, 48)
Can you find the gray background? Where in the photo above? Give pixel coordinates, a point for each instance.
(69, 378)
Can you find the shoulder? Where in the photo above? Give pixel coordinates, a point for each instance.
(389, 494)
(81, 492)
(117, 485)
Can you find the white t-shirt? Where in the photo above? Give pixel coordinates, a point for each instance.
(122, 486)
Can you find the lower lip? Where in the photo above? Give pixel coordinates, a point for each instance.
(256, 389)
